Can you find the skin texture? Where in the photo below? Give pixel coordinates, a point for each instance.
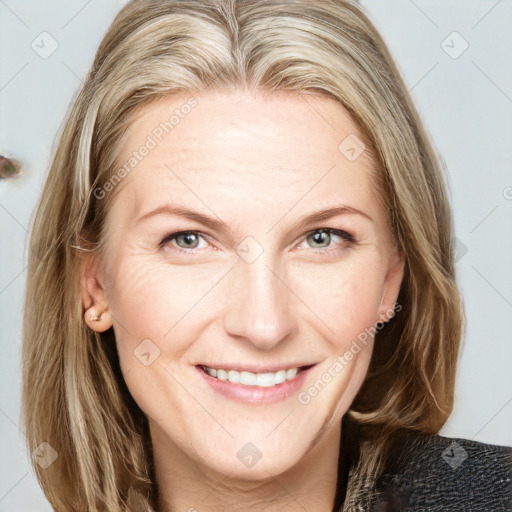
(259, 162)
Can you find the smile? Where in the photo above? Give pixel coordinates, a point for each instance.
(268, 379)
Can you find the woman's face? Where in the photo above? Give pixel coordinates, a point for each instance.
(259, 287)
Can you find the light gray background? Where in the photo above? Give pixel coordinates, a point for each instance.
(465, 101)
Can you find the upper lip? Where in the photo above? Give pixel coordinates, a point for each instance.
(256, 368)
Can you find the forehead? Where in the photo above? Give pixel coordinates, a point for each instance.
(270, 150)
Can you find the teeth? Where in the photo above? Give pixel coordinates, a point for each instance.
(211, 371)
(291, 373)
(233, 376)
(280, 376)
(267, 380)
(248, 378)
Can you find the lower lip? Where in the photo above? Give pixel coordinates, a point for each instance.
(256, 394)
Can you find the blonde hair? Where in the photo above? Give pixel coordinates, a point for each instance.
(74, 396)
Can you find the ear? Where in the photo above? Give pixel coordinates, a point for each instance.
(391, 286)
(94, 301)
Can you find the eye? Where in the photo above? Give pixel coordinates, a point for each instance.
(323, 236)
(186, 241)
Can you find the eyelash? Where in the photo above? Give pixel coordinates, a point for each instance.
(331, 231)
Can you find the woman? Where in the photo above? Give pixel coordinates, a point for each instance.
(241, 290)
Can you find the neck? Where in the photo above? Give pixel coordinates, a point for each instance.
(186, 485)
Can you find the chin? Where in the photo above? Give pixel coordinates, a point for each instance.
(252, 465)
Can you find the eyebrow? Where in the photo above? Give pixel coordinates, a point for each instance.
(218, 225)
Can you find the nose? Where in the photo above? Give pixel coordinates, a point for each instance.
(259, 305)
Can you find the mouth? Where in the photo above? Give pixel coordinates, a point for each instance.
(250, 379)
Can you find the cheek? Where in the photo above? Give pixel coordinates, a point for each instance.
(158, 311)
(159, 302)
(345, 298)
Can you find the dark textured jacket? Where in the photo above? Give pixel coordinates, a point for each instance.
(428, 473)
(432, 473)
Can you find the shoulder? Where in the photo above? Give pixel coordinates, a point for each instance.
(434, 473)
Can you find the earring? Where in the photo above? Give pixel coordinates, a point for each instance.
(98, 322)
(95, 317)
